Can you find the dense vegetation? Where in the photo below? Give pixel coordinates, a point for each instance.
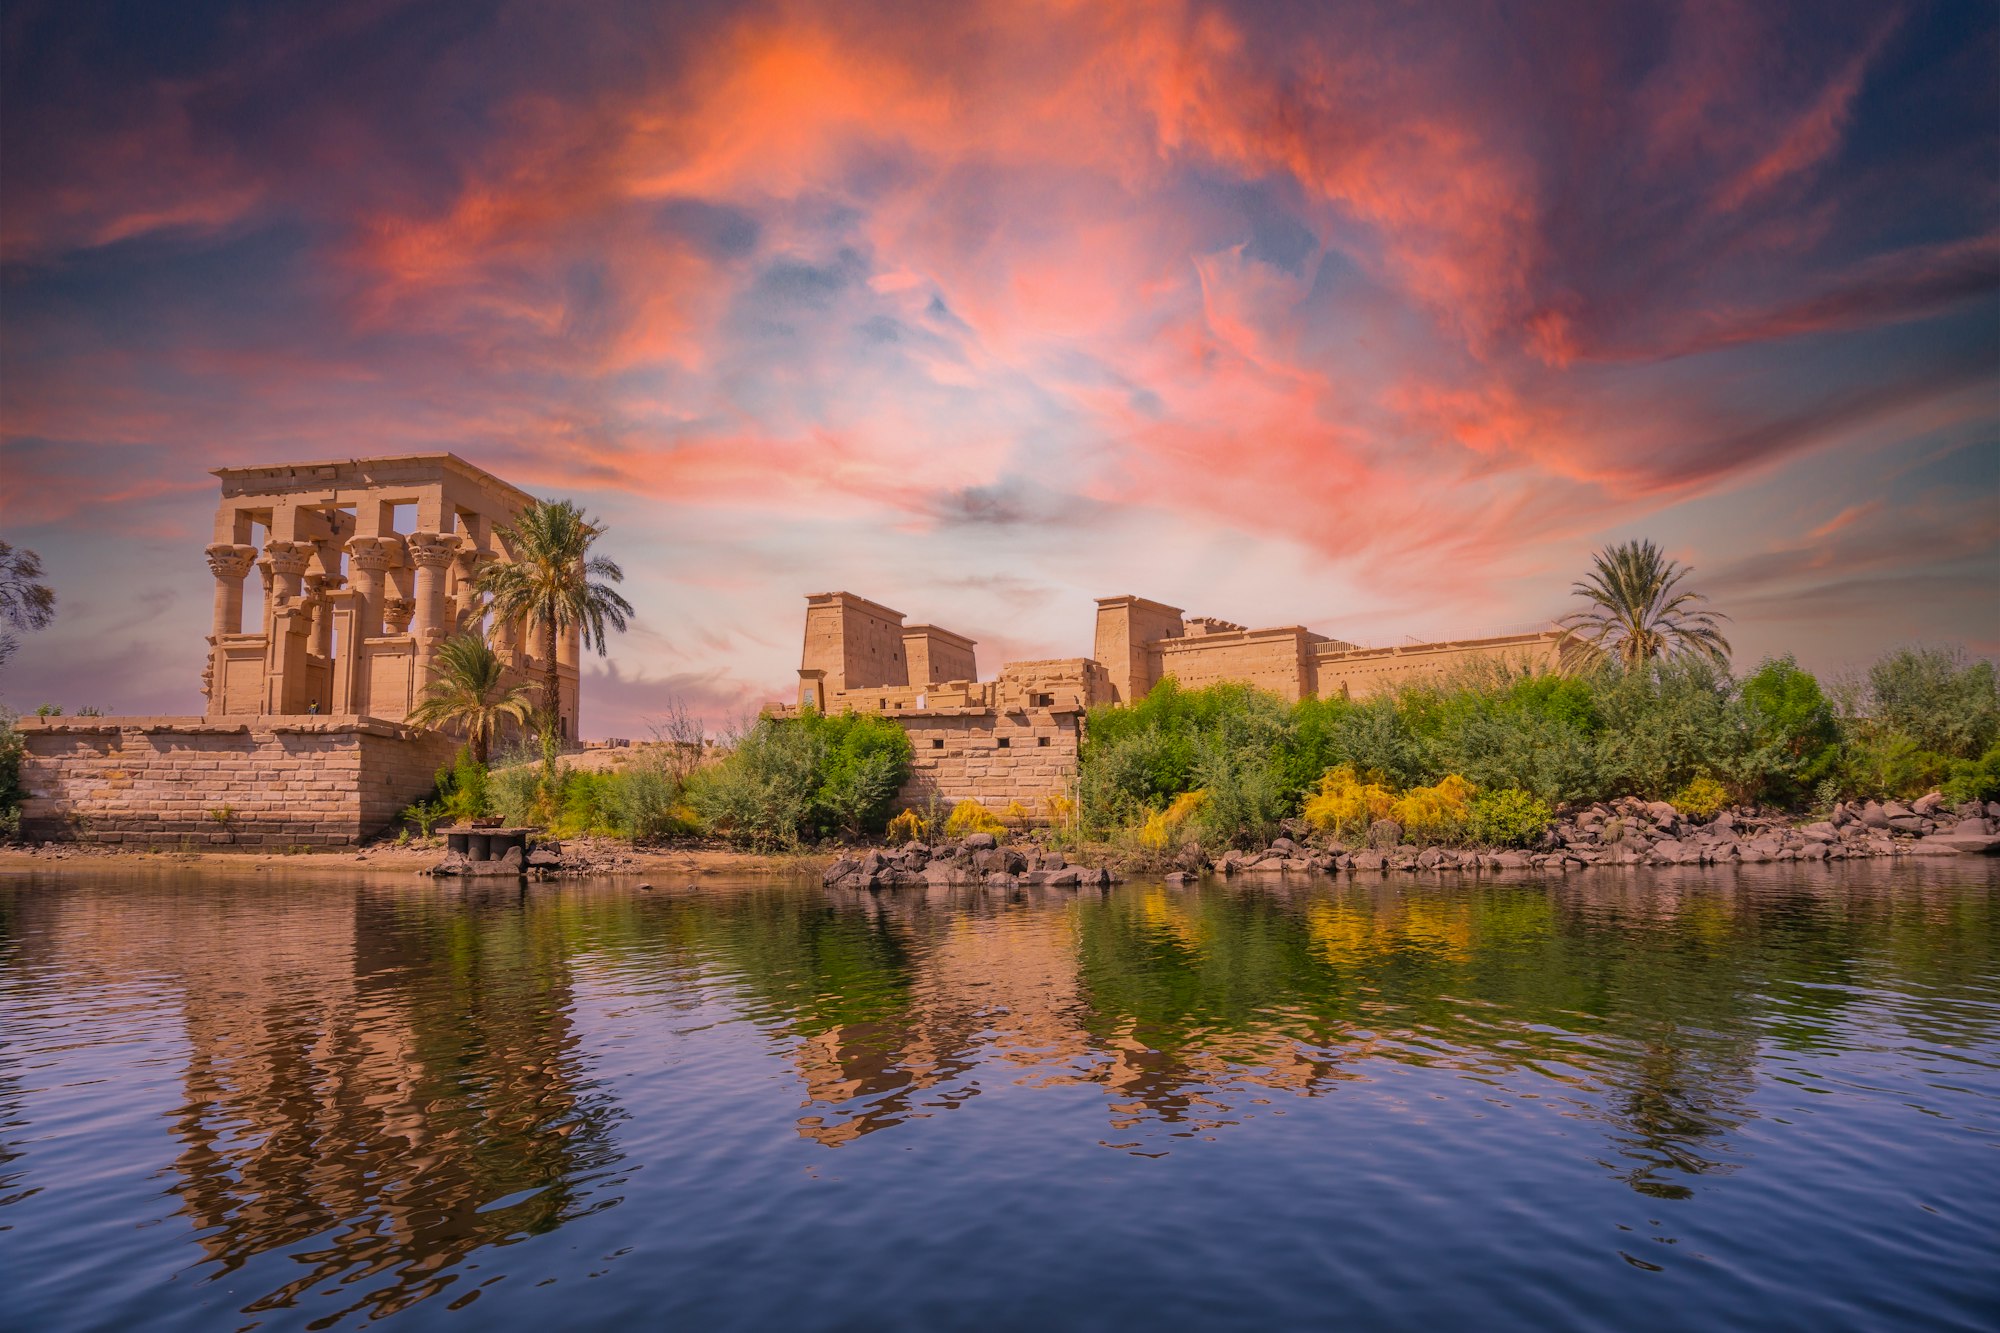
(11, 793)
(782, 783)
(1487, 754)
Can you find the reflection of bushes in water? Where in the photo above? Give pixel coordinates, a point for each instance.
(1659, 1011)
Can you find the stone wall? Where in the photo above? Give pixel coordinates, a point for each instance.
(1358, 673)
(1278, 660)
(994, 756)
(223, 782)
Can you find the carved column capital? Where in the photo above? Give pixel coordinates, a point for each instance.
(289, 558)
(375, 554)
(230, 560)
(433, 550)
(398, 611)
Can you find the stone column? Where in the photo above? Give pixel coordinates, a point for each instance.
(397, 611)
(288, 564)
(470, 561)
(229, 562)
(289, 628)
(432, 553)
(319, 587)
(370, 558)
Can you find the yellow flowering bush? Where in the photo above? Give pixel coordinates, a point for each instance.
(1702, 798)
(1346, 803)
(972, 817)
(1437, 813)
(1162, 827)
(908, 827)
(1062, 811)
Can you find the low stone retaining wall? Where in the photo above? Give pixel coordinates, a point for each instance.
(221, 782)
(997, 757)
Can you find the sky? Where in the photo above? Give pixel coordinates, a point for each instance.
(1376, 317)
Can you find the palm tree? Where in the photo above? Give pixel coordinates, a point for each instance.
(468, 690)
(1636, 611)
(550, 580)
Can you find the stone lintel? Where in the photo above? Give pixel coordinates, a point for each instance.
(325, 474)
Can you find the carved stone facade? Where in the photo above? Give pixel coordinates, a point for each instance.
(352, 609)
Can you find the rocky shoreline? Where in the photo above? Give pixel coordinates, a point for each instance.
(1625, 832)
(978, 858)
(1630, 832)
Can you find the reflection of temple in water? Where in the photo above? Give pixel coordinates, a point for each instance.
(365, 1073)
(995, 981)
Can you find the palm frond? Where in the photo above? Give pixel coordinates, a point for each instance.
(1636, 610)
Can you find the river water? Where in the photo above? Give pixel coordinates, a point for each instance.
(1767, 1098)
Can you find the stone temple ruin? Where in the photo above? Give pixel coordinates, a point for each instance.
(1014, 740)
(351, 609)
(365, 566)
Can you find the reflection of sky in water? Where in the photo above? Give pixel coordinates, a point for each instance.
(317, 1102)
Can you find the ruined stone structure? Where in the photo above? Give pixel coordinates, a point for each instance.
(1141, 643)
(366, 566)
(1015, 739)
(351, 610)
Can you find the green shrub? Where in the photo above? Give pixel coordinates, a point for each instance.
(1508, 817)
(1892, 764)
(514, 789)
(464, 789)
(425, 815)
(1794, 724)
(1501, 729)
(647, 802)
(1374, 735)
(1669, 722)
(1975, 779)
(1243, 798)
(791, 779)
(11, 793)
(1937, 699)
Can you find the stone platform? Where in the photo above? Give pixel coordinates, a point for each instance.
(218, 782)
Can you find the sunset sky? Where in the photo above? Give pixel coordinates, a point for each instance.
(1376, 317)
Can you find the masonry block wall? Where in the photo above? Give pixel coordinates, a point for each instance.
(318, 782)
(994, 756)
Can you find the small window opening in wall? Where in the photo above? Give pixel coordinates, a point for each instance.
(937, 744)
(1041, 740)
(881, 703)
(1005, 741)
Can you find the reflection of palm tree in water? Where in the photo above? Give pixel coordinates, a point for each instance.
(1677, 1100)
(372, 1116)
